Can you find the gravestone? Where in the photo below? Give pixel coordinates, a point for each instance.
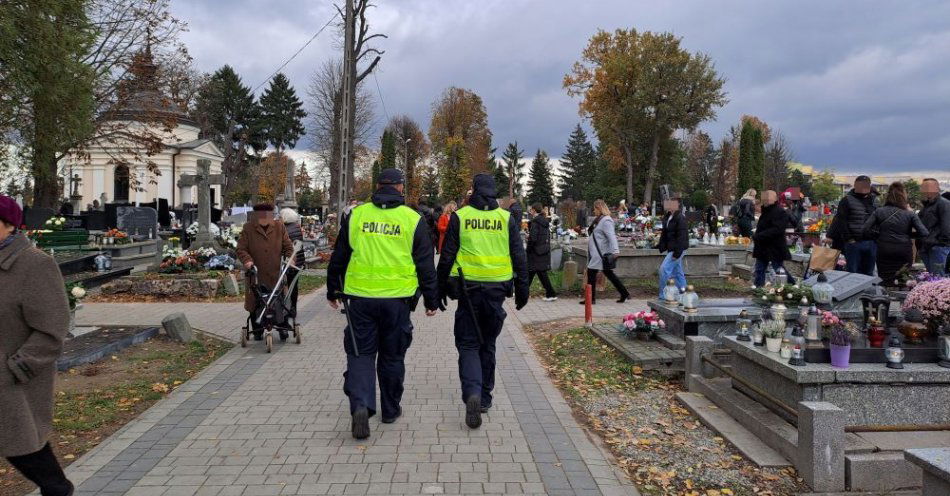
(35, 218)
(111, 210)
(95, 220)
(202, 182)
(75, 222)
(177, 327)
(161, 206)
(137, 221)
(848, 288)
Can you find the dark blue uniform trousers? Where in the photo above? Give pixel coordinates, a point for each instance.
(383, 333)
(477, 361)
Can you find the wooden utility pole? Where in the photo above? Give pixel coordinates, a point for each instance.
(346, 117)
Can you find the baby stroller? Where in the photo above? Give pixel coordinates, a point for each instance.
(272, 309)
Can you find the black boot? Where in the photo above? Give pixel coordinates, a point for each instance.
(360, 427)
(473, 412)
(42, 468)
(389, 420)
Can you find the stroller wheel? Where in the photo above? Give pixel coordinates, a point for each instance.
(269, 342)
(244, 332)
(283, 333)
(297, 335)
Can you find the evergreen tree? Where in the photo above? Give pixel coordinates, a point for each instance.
(577, 165)
(540, 183)
(230, 117)
(387, 153)
(512, 160)
(430, 186)
(498, 172)
(281, 115)
(758, 159)
(749, 171)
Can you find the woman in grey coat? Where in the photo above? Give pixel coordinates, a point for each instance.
(35, 316)
(601, 234)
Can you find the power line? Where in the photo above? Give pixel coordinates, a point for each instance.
(292, 57)
(380, 93)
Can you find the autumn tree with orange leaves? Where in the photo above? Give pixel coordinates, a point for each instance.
(639, 87)
(460, 139)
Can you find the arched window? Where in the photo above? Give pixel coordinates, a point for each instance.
(120, 183)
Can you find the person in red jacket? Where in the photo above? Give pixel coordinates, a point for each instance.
(444, 222)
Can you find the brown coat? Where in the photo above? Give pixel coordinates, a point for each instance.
(263, 241)
(34, 313)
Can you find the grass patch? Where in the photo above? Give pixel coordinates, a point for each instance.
(95, 400)
(310, 283)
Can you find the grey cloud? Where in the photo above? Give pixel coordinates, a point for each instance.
(853, 85)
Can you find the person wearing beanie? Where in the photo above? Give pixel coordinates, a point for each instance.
(381, 263)
(35, 320)
(263, 242)
(482, 263)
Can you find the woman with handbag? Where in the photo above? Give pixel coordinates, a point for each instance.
(35, 315)
(602, 249)
(674, 240)
(892, 227)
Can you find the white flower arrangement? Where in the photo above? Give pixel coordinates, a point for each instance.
(212, 228)
(78, 292)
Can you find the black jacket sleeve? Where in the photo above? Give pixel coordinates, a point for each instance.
(839, 231)
(519, 262)
(422, 256)
(450, 249)
(681, 235)
(336, 269)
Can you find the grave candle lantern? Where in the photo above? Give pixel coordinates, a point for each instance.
(811, 334)
(894, 353)
(743, 323)
(822, 290)
(670, 293)
(690, 300)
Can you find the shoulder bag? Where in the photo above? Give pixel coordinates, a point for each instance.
(609, 260)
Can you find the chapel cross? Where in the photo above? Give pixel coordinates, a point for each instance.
(203, 180)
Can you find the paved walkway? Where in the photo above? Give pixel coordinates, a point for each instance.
(256, 423)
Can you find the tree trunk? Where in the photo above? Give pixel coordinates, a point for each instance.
(45, 183)
(628, 159)
(654, 158)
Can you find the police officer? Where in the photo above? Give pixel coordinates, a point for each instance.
(483, 246)
(383, 260)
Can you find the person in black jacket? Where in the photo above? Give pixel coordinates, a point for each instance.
(847, 228)
(711, 216)
(485, 263)
(770, 246)
(674, 240)
(935, 247)
(539, 250)
(743, 213)
(379, 308)
(892, 227)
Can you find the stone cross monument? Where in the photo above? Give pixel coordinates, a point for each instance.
(75, 198)
(203, 180)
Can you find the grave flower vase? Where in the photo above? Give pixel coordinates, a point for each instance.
(840, 356)
(774, 345)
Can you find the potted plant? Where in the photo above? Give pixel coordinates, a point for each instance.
(641, 325)
(930, 296)
(840, 344)
(774, 331)
(828, 321)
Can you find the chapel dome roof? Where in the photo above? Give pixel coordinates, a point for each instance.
(140, 98)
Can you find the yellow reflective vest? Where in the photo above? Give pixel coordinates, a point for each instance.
(381, 265)
(483, 254)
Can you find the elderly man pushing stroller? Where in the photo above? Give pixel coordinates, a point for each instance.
(263, 242)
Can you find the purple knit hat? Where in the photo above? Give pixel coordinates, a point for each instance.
(10, 212)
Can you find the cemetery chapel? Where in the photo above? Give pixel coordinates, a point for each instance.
(107, 172)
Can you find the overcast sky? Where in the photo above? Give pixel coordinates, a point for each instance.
(854, 85)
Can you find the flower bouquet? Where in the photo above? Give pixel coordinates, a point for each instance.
(642, 325)
(75, 293)
(791, 294)
(221, 262)
(932, 298)
(55, 223)
(178, 265)
(116, 237)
